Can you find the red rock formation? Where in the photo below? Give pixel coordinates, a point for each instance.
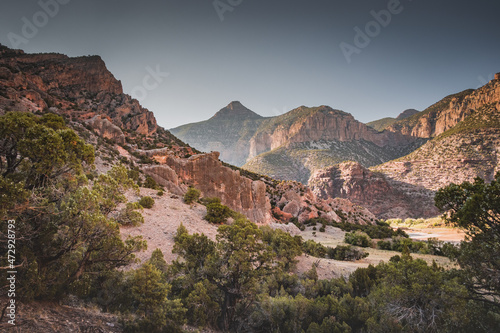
(206, 173)
(449, 112)
(382, 196)
(299, 201)
(74, 85)
(106, 129)
(322, 123)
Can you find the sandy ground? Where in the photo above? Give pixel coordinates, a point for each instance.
(161, 223)
(444, 234)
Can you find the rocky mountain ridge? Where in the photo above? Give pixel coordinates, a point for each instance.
(92, 101)
(448, 112)
(227, 132)
(81, 86)
(293, 145)
(465, 151)
(383, 123)
(318, 123)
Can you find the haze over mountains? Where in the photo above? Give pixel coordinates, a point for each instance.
(410, 156)
(76, 107)
(391, 168)
(320, 134)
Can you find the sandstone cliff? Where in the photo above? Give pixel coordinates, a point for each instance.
(253, 198)
(406, 187)
(383, 196)
(80, 87)
(313, 124)
(206, 173)
(297, 161)
(448, 112)
(470, 149)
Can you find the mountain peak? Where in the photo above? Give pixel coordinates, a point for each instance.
(235, 110)
(235, 105)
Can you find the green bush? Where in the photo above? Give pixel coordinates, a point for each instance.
(378, 230)
(129, 216)
(150, 183)
(345, 253)
(384, 245)
(192, 195)
(147, 202)
(314, 249)
(358, 238)
(209, 200)
(217, 213)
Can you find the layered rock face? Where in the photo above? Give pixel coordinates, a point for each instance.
(251, 197)
(406, 187)
(84, 91)
(206, 173)
(314, 124)
(81, 87)
(448, 112)
(383, 196)
(240, 134)
(454, 159)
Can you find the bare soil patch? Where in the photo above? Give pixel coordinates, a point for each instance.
(161, 223)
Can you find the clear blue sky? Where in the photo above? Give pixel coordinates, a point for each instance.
(272, 56)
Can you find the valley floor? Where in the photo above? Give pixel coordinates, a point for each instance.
(328, 268)
(161, 223)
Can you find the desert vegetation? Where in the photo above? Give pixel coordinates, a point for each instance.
(243, 281)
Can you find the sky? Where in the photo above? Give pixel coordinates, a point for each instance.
(186, 59)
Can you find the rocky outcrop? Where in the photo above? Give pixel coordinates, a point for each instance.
(291, 201)
(206, 173)
(453, 159)
(297, 161)
(165, 176)
(314, 124)
(294, 200)
(382, 196)
(63, 75)
(103, 126)
(406, 187)
(448, 112)
(80, 87)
